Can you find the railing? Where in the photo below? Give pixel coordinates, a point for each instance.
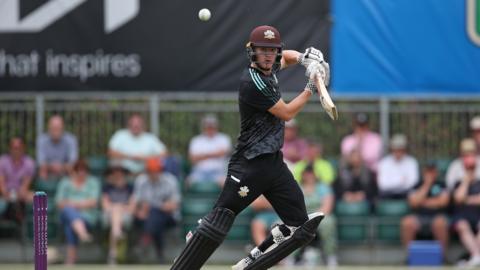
(434, 125)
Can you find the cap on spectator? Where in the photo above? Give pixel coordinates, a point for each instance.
(468, 146)
(291, 123)
(361, 118)
(209, 120)
(475, 123)
(153, 165)
(398, 141)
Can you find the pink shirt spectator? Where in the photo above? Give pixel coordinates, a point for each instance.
(370, 146)
(294, 148)
(298, 147)
(15, 173)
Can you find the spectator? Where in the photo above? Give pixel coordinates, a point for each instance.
(428, 201)
(294, 148)
(475, 128)
(16, 173)
(57, 150)
(456, 170)
(265, 217)
(466, 213)
(319, 197)
(133, 146)
(77, 199)
(369, 143)
(158, 198)
(398, 171)
(118, 206)
(324, 171)
(208, 153)
(356, 182)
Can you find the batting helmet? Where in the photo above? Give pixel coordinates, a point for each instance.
(264, 36)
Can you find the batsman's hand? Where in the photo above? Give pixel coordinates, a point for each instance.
(316, 68)
(313, 55)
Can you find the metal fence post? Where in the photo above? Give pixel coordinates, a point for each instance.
(384, 120)
(40, 113)
(154, 110)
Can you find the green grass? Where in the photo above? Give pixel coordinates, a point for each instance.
(225, 267)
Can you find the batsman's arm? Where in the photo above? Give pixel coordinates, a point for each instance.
(288, 111)
(289, 57)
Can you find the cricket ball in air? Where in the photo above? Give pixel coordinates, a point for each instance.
(204, 14)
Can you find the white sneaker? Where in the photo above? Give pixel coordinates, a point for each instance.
(242, 264)
(474, 261)
(332, 262)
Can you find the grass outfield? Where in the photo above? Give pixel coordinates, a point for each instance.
(226, 267)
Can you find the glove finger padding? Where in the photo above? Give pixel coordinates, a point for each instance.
(314, 54)
(310, 55)
(326, 75)
(312, 69)
(322, 69)
(311, 86)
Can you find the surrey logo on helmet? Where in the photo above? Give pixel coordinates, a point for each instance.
(269, 34)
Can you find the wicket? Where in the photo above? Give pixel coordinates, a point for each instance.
(40, 239)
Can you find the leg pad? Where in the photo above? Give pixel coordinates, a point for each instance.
(209, 235)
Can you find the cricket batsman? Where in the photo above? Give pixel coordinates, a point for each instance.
(256, 166)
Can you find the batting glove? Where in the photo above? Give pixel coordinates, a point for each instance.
(323, 70)
(311, 86)
(312, 55)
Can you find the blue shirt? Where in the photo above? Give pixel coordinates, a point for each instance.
(64, 151)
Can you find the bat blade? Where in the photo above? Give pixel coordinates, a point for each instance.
(325, 98)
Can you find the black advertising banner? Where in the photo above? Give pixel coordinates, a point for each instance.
(146, 44)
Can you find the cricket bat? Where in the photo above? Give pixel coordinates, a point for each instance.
(325, 99)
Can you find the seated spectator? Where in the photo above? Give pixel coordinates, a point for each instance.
(57, 150)
(475, 128)
(466, 213)
(428, 201)
(369, 143)
(16, 173)
(77, 200)
(324, 171)
(158, 198)
(294, 148)
(356, 182)
(456, 170)
(118, 206)
(208, 153)
(319, 197)
(265, 217)
(133, 146)
(398, 171)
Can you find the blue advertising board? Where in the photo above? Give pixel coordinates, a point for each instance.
(407, 47)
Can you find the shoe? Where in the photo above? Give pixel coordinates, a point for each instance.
(112, 261)
(112, 258)
(242, 264)
(310, 256)
(332, 261)
(474, 261)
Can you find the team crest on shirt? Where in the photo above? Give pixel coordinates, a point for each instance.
(269, 34)
(243, 192)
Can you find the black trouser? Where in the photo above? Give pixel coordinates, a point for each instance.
(266, 174)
